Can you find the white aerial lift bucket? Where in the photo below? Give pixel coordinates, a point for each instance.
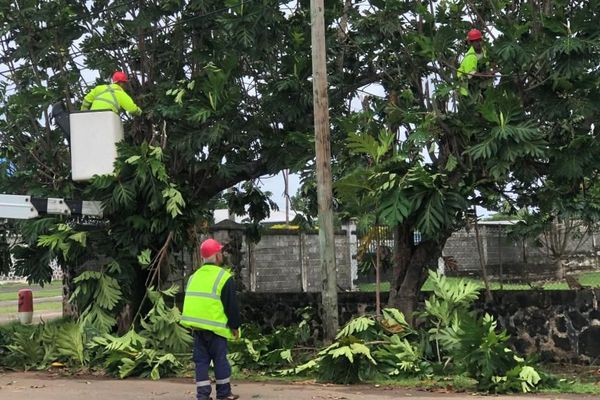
(94, 138)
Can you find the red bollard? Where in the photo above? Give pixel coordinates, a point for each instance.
(25, 306)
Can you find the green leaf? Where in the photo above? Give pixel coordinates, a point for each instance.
(144, 257)
(123, 195)
(175, 201)
(286, 355)
(452, 163)
(133, 160)
(79, 237)
(354, 326)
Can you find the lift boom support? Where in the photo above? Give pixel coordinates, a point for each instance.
(27, 207)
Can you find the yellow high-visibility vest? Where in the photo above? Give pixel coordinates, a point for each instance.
(202, 306)
(110, 97)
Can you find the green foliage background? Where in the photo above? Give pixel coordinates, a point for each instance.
(227, 94)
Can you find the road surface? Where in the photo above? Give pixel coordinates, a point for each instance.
(41, 386)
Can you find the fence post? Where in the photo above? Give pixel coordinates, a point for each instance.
(352, 250)
(251, 266)
(303, 262)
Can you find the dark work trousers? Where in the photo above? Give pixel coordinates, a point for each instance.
(208, 347)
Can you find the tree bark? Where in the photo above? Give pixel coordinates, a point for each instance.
(410, 270)
(403, 243)
(377, 273)
(68, 309)
(484, 275)
(559, 268)
(323, 172)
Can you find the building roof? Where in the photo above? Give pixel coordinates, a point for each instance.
(507, 222)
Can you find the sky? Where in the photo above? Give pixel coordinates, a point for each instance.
(275, 185)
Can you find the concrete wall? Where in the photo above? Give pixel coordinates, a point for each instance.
(286, 260)
(289, 262)
(513, 259)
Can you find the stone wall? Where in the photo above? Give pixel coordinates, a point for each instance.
(557, 325)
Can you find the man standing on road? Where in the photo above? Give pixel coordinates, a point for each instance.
(111, 97)
(210, 308)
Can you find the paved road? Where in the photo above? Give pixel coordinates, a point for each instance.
(39, 386)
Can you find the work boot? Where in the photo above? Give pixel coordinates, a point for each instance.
(230, 397)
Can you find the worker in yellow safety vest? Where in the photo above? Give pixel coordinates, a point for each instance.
(474, 61)
(111, 97)
(211, 310)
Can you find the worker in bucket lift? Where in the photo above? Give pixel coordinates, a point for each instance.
(211, 310)
(474, 62)
(111, 97)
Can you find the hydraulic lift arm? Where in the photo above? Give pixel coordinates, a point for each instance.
(27, 207)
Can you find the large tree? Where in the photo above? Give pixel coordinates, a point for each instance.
(418, 156)
(226, 93)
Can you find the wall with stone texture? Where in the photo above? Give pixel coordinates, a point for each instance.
(556, 325)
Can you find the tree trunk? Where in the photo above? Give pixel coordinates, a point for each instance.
(403, 243)
(137, 304)
(68, 309)
(559, 268)
(377, 274)
(410, 269)
(484, 275)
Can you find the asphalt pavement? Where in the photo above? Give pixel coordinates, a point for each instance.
(43, 386)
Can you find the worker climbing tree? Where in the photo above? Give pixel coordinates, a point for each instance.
(473, 65)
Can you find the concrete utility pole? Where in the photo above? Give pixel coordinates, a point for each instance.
(323, 169)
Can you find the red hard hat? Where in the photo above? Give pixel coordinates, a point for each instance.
(474, 35)
(119, 76)
(210, 247)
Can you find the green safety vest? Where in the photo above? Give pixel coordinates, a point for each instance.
(471, 63)
(202, 306)
(110, 97)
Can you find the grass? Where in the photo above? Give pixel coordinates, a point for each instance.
(574, 387)
(53, 306)
(573, 378)
(24, 285)
(586, 279)
(8, 291)
(452, 384)
(38, 294)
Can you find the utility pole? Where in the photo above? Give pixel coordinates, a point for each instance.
(323, 170)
